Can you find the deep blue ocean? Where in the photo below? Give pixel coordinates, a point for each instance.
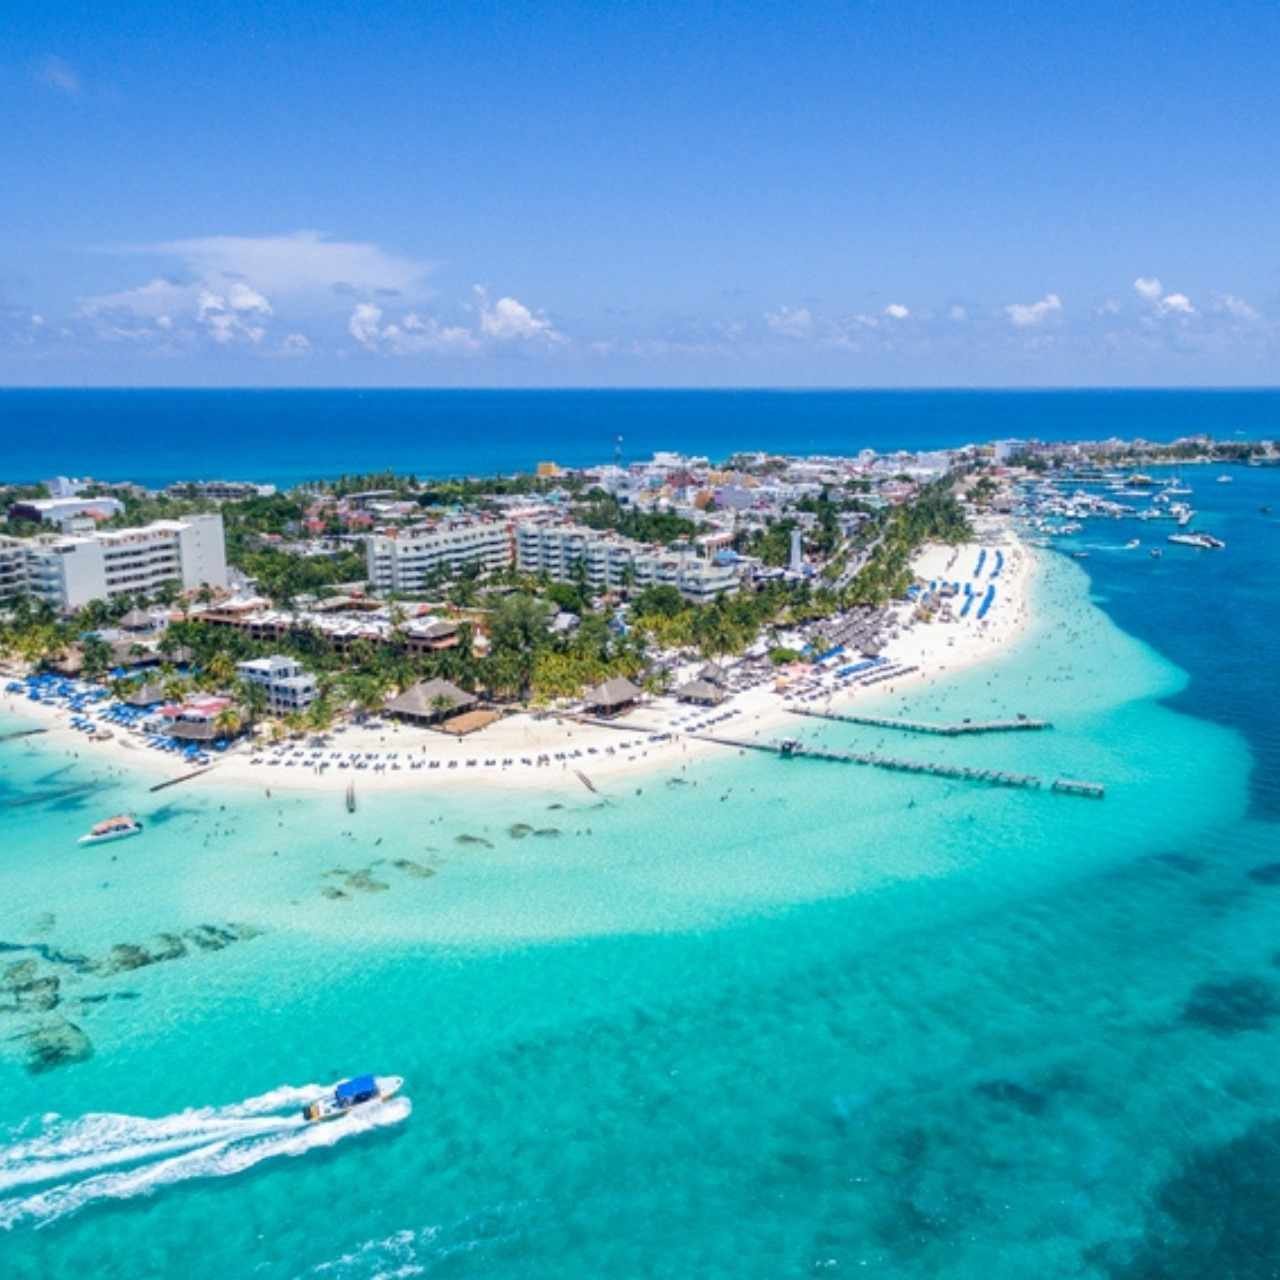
(157, 436)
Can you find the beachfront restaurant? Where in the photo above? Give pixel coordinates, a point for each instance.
(613, 697)
(195, 719)
(429, 701)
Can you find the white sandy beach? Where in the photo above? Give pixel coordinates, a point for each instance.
(505, 754)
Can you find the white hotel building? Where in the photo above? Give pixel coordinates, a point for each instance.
(69, 571)
(288, 686)
(403, 561)
(606, 558)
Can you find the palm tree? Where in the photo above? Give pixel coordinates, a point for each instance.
(227, 722)
(96, 655)
(320, 714)
(254, 699)
(221, 669)
(176, 688)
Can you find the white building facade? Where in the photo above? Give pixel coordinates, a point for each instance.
(68, 572)
(405, 561)
(609, 562)
(288, 686)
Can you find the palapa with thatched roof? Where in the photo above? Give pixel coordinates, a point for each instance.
(614, 695)
(703, 692)
(429, 700)
(129, 653)
(146, 694)
(137, 620)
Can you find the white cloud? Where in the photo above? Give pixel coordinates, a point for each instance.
(791, 322)
(155, 298)
(364, 324)
(1235, 307)
(896, 311)
(1149, 289)
(1027, 315)
(957, 313)
(1109, 308)
(225, 323)
(240, 297)
(295, 345)
(302, 262)
(509, 320)
(412, 336)
(58, 73)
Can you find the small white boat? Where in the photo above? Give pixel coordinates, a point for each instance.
(1204, 541)
(1224, 479)
(1132, 544)
(357, 1092)
(120, 827)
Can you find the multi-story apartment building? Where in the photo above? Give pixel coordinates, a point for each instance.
(403, 561)
(70, 571)
(288, 686)
(13, 567)
(607, 561)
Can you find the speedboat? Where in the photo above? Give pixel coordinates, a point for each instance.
(117, 828)
(359, 1091)
(1156, 553)
(1205, 541)
(1224, 479)
(1132, 544)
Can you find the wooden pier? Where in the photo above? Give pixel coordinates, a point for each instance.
(21, 733)
(792, 750)
(183, 777)
(924, 726)
(1074, 787)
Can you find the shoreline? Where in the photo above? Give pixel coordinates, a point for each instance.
(937, 650)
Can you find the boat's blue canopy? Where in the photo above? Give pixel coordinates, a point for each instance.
(356, 1087)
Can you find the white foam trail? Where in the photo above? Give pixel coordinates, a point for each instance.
(218, 1153)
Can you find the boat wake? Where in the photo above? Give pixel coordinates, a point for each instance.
(69, 1164)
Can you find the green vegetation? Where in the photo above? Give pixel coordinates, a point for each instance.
(602, 510)
(934, 514)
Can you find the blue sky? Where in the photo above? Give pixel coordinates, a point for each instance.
(859, 194)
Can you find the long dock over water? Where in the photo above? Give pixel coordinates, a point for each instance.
(21, 733)
(182, 777)
(992, 777)
(924, 726)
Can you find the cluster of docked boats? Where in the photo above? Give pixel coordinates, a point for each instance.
(1052, 511)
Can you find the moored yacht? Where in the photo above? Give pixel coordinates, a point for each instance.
(117, 828)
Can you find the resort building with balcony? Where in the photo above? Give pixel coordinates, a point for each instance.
(288, 686)
(403, 561)
(69, 571)
(609, 562)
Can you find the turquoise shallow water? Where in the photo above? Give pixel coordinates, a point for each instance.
(770, 1019)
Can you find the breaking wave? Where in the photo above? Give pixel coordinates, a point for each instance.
(69, 1164)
